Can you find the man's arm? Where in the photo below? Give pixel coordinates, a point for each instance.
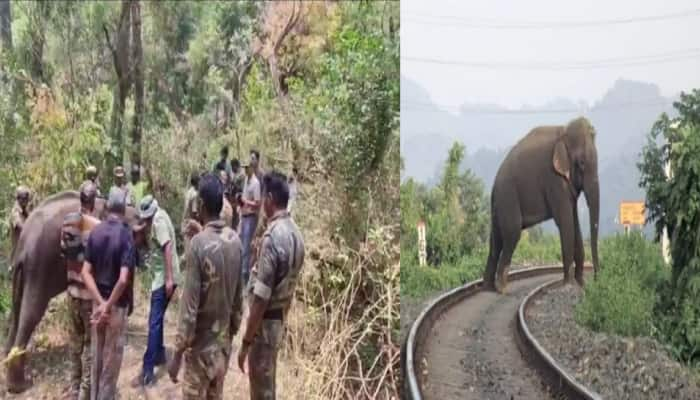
(86, 274)
(262, 290)
(237, 310)
(119, 288)
(255, 203)
(168, 256)
(189, 304)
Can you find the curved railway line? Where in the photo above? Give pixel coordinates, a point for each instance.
(471, 343)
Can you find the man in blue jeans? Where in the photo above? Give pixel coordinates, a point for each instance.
(166, 276)
(250, 205)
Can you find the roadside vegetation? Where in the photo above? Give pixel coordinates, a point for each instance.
(635, 295)
(309, 84)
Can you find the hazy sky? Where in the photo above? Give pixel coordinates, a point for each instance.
(444, 30)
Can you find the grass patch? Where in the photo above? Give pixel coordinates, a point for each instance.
(622, 299)
(418, 282)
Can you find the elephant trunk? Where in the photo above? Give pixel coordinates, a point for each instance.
(592, 193)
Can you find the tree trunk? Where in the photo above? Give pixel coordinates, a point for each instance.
(120, 56)
(38, 39)
(138, 84)
(6, 25)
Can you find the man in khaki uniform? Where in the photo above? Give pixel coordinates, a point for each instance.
(272, 285)
(190, 212)
(74, 235)
(19, 213)
(210, 309)
(91, 175)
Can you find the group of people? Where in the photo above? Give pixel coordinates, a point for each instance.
(220, 275)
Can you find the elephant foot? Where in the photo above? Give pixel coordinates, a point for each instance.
(16, 381)
(489, 285)
(502, 285)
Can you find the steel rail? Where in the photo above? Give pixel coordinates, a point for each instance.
(423, 324)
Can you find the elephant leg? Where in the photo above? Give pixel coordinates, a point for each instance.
(495, 247)
(33, 307)
(17, 290)
(510, 235)
(578, 250)
(564, 218)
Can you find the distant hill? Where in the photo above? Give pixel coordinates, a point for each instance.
(622, 118)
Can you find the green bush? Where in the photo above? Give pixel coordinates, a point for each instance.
(622, 299)
(419, 282)
(538, 248)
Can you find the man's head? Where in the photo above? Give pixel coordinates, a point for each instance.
(248, 168)
(119, 175)
(147, 210)
(71, 239)
(23, 195)
(224, 152)
(223, 176)
(91, 173)
(211, 195)
(116, 202)
(135, 173)
(194, 179)
(276, 193)
(88, 193)
(255, 159)
(235, 165)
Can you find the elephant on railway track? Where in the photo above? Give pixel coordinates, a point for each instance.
(541, 178)
(39, 274)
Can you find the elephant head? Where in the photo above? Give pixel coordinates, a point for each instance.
(576, 158)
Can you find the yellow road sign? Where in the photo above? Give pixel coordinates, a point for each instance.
(632, 213)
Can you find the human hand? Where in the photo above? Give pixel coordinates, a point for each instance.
(243, 355)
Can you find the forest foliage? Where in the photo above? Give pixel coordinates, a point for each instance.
(309, 84)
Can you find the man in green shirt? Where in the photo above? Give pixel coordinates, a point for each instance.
(136, 187)
(165, 278)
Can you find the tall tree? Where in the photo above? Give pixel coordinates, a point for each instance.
(120, 57)
(137, 56)
(6, 25)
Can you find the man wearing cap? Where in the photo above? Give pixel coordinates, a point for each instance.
(190, 213)
(210, 308)
(120, 183)
(165, 275)
(91, 175)
(250, 205)
(19, 213)
(136, 187)
(74, 235)
(227, 209)
(110, 257)
(271, 289)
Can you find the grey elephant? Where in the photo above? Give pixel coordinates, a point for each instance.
(39, 274)
(541, 178)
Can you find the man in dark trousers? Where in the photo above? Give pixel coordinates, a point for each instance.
(110, 257)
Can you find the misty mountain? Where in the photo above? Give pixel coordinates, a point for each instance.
(622, 118)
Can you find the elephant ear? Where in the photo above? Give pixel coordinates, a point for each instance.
(560, 159)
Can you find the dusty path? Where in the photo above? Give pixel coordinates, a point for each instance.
(49, 365)
(471, 351)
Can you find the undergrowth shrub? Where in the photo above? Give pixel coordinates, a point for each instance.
(621, 300)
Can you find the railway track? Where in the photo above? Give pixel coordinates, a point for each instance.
(474, 344)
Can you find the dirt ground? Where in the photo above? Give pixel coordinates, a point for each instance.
(616, 367)
(49, 365)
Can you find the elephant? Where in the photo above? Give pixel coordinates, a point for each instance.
(39, 274)
(541, 178)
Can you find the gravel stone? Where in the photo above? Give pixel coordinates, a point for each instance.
(615, 367)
